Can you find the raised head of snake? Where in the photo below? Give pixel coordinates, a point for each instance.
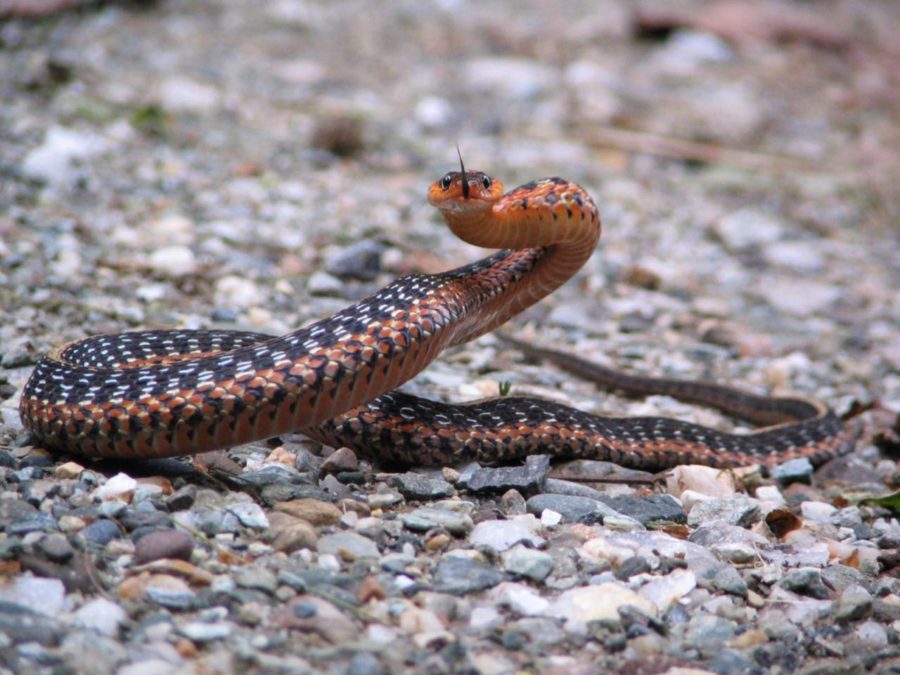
(466, 199)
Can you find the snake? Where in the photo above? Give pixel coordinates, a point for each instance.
(162, 393)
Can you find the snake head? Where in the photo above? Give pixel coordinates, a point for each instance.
(460, 192)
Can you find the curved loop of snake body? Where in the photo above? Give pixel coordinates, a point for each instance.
(164, 393)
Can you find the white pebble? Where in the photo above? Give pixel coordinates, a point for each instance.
(56, 160)
(819, 512)
(666, 591)
(770, 494)
(234, 291)
(117, 487)
(519, 598)
(433, 112)
(550, 518)
(745, 228)
(101, 615)
(182, 94)
(173, 261)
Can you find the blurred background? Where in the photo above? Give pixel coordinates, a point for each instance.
(263, 164)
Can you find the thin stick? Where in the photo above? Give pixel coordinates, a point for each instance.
(664, 146)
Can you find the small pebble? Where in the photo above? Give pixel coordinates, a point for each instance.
(102, 616)
(459, 576)
(348, 546)
(173, 261)
(527, 562)
(101, 532)
(853, 604)
(342, 459)
(501, 535)
(165, 544)
(425, 518)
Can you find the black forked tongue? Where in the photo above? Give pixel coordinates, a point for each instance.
(465, 178)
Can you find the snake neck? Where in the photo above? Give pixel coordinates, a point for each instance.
(553, 227)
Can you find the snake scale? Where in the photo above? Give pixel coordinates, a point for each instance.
(164, 393)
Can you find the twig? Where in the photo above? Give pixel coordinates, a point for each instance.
(676, 148)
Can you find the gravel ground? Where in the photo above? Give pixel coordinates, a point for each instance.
(260, 165)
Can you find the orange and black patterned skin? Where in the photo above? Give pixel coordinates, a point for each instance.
(164, 393)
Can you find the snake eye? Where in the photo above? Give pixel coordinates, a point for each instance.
(486, 182)
(446, 181)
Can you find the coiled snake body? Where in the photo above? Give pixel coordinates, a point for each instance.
(164, 393)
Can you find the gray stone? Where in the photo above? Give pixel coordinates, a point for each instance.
(212, 521)
(37, 522)
(348, 545)
(528, 478)
(365, 663)
(539, 633)
(13, 510)
(416, 486)
(566, 487)
(271, 474)
(721, 534)
(806, 581)
(360, 260)
(885, 612)
(729, 580)
(527, 562)
(501, 535)
(513, 502)
(572, 509)
(427, 518)
(849, 516)
(257, 578)
(732, 662)
(459, 576)
(182, 499)
(250, 514)
(631, 566)
(55, 547)
(88, 653)
(839, 577)
(144, 516)
(798, 470)
(170, 598)
(708, 633)
(21, 624)
(112, 508)
(735, 510)
(323, 283)
(853, 604)
(653, 508)
(873, 634)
